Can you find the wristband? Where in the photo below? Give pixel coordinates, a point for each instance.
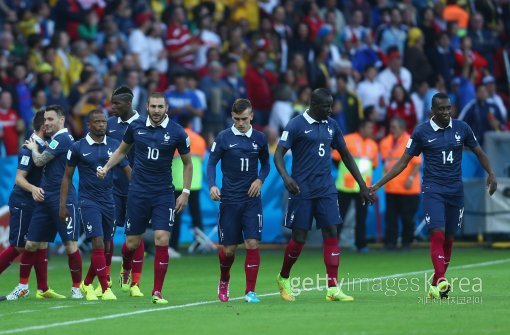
(186, 191)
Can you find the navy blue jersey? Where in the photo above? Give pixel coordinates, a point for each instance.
(116, 129)
(19, 197)
(53, 171)
(311, 142)
(154, 151)
(240, 155)
(88, 156)
(442, 154)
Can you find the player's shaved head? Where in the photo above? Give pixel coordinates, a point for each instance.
(321, 102)
(95, 112)
(319, 96)
(437, 97)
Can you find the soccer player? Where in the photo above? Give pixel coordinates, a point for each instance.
(312, 190)
(24, 194)
(122, 116)
(95, 200)
(151, 193)
(45, 221)
(239, 148)
(441, 141)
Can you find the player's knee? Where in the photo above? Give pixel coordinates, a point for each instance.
(161, 238)
(97, 243)
(132, 242)
(229, 250)
(31, 246)
(299, 235)
(329, 232)
(251, 244)
(71, 247)
(20, 250)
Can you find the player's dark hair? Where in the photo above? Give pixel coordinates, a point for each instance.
(94, 112)
(156, 95)
(438, 96)
(59, 110)
(240, 105)
(38, 120)
(319, 95)
(124, 93)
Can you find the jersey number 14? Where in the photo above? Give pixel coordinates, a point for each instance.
(447, 158)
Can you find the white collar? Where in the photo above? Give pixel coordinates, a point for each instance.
(238, 133)
(310, 119)
(91, 141)
(134, 117)
(436, 127)
(162, 124)
(61, 131)
(38, 139)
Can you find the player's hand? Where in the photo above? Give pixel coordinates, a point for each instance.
(255, 187)
(492, 184)
(366, 196)
(101, 172)
(63, 213)
(38, 194)
(372, 189)
(215, 193)
(291, 186)
(181, 202)
(30, 144)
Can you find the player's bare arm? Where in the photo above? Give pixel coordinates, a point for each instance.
(63, 212)
(394, 171)
(414, 173)
(182, 200)
(290, 183)
(116, 158)
(491, 183)
(127, 171)
(353, 169)
(40, 159)
(21, 181)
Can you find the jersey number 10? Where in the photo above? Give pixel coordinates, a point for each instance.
(152, 153)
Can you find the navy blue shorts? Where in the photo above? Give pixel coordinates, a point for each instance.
(301, 212)
(150, 210)
(97, 219)
(443, 211)
(46, 223)
(120, 209)
(240, 221)
(19, 222)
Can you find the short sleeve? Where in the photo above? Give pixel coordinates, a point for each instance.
(183, 144)
(73, 155)
(58, 145)
(414, 145)
(338, 138)
(470, 140)
(128, 135)
(288, 135)
(217, 146)
(25, 161)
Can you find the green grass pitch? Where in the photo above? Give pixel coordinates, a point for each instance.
(390, 298)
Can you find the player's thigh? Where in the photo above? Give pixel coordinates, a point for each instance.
(120, 209)
(70, 229)
(19, 220)
(163, 212)
(138, 214)
(108, 221)
(252, 220)
(326, 211)
(434, 207)
(90, 213)
(299, 214)
(454, 214)
(230, 230)
(41, 227)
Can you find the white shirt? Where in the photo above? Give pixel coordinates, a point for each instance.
(208, 39)
(281, 113)
(418, 105)
(155, 47)
(370, 93)
(137, 44)
(388, 80)
(496, 99)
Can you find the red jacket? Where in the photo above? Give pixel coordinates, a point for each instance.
(404, 111)
(259, 88)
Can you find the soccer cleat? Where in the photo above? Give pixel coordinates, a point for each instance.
(223, 291)
(134, 291)
(108, 295)
(434, 292)
(88, 291)
(172, 253)
(285, 289)
(18, 293)
(99, 289)
(251, 297)
(443, 288)
(157, 298)
(336, 294)
(49, 294)
(76, 293)
(124, 280)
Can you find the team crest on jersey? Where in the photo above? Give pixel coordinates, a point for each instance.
(457, 137)
(110, 153)
(53, 144)
(89, 228)
(330, 131)
(255, 146)
(166, 138)
(427, 218)
(128, 225)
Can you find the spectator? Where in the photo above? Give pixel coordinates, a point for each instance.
(140, 96)
(394, 73)
(415, 59)
(436, 85)
(284, 33)
(351, 107)
(217, 97)
(300, 105)
(418, 99)
(12, 127)
(368, 53)
(87, 30)
(319, 72)
(330, 7)
(181, 100)
(138, 42)
(21, 94)
(157, 53)
(401, 106)
(493, 96)
(312, 18)
(111, 54)
(45, 25)
(68, 16)
(466, 55)
(67, 67)
(300, 42)
(371, 92)
(484, 41)
(429, 28)
(55, 96)
(355, 32)
(298, 66)
(234, 81)
(394, 34)
(179, 42)
(442, 57)
(208, 38)
(452, 29)
(282, 110)
(454, 12)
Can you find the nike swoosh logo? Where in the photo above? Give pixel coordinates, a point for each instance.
(69, 232)
(440, 257)
(290, 256)
(135, 261)
(141, 133)
(85, 155)
(432, 140)
(233, 145)
(160, 263)
(101, 269)
(307, 131)
(335, 254)
(251, 265)
(111, 131)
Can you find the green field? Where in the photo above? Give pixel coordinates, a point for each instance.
(381, 306)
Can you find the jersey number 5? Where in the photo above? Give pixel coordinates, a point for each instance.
(322, 152)
(447, 158)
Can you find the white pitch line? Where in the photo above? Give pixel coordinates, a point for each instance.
(201, 303)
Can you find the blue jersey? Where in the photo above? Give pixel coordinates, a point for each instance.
(88, 156)
(311, 142)
(240, 155)
(116, 129)
(442, 154)
(19, 197)
(154, 151)
(53, 171)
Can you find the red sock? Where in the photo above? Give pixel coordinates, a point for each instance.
(28, 259)
(41, 269)
(292, 252)
(331, 260)
(7, 256)
(160, 266)
(74, 261)
(136, 271)
(251, 268)
(100, 266)
(447, 249)
(91, 273)
(127, 257)
(437, 255)
(225, 265)
(108, 254)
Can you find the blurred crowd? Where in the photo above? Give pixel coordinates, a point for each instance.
(381, 59)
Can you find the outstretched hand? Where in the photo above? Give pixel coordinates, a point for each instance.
(492, 184)
(367, 196)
